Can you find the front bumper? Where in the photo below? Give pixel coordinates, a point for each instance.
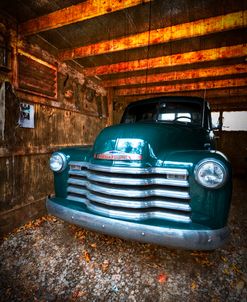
(169, 237)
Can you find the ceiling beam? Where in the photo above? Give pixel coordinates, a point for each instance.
(178, 75)
(161, 35)
(75, 13)
(237, 102)
(170, 60)
(234, 93)
(228, 100)
(228, 104)
(203, 85)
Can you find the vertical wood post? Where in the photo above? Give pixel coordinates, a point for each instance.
(110, 95)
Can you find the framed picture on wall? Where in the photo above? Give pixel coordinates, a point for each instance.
(26, 119)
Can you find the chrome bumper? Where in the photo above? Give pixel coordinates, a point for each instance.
(169, 237)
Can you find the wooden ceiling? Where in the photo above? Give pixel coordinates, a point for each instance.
(143, 48)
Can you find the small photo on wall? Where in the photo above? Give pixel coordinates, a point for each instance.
(26, 119)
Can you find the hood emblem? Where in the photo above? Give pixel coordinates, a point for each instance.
(117, 155)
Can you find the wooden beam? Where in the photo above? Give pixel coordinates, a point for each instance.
(228, 104)
(234, 92)
(171, 60)
(110, 96)
(228, 100)
(178, 75)
(75, 13)
(160, 35)
(203, 85)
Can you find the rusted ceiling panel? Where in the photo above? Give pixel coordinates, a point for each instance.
(172, 60)
(203, 85)
(76, 13)
(161, 35)
(178, 75)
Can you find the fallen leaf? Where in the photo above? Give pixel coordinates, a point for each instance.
(80, 234)
(93, 245)
(87, 256)
(235, 269)
(78, 293)
(193, 285)
(105, 265)
(226, 271)
(162, 278)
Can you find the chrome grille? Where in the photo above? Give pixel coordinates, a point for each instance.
(131, 193)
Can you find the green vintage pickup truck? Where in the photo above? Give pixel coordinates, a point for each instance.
(155, 177)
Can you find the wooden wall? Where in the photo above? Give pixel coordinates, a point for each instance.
(69, 110)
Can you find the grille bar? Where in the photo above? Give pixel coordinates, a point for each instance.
(131, 193)
(113, 179)
(128, 215)
(137, 204)
(127, 170)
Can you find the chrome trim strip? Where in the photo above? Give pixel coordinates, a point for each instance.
(129, 192)
(165, 236)
(77, 182)
(128, 170)
(126, 215)
(78, 199)
(129, 181)
(178, 206)
(134, 216)
(83, 173)
(77, 191)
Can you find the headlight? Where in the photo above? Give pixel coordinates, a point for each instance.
(210, 173)
(58, 162)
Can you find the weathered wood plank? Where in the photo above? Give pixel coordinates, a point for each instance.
(161, 35)
(171, 60)
(34, 150)
(36, 75)
(178, 75)
(234, 92)
(75, 13)
(202, 85)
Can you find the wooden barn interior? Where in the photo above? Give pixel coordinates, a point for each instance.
(77, 64)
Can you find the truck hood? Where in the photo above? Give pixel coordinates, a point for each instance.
(147, 141)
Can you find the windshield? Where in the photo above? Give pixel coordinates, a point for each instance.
(170, 112)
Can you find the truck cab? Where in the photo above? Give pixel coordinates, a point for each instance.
(156, 177)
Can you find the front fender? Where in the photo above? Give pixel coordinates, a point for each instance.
(210, 207)
(80, 153)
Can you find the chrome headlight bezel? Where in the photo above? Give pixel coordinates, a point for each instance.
(60, 165)
(219, 165)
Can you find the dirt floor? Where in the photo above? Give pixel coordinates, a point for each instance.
(49, 260)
